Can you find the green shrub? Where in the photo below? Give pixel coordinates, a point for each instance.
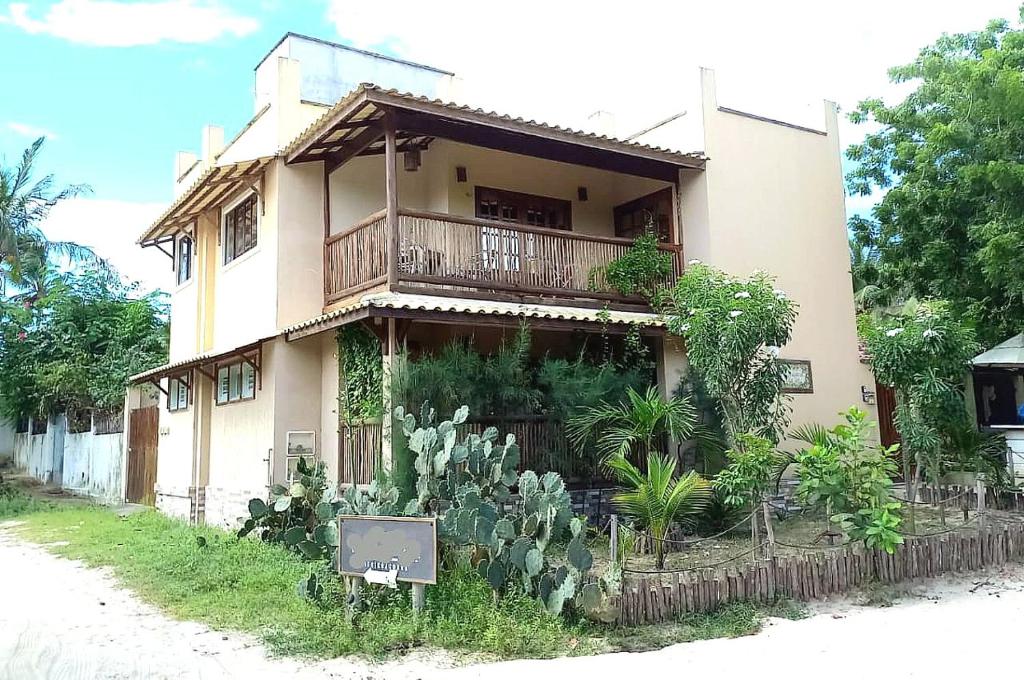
(852, 482)
(641, 269)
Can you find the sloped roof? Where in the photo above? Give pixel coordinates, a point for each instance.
(1009, 353)
(215, 184)
(349, 118)
(429, 303)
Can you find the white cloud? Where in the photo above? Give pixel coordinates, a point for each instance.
(560, 61)
(32, 131)
(116, 24)
(110, 228)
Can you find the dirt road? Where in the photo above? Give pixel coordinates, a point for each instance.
(59, 619)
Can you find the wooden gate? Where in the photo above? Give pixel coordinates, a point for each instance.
(143, 434)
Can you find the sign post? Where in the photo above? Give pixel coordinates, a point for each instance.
(389, 550)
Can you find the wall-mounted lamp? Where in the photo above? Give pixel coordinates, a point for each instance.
(460, 173)
(412, 160)
(866, 395)
(581, 193)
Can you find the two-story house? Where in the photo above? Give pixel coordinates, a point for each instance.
(343, 202)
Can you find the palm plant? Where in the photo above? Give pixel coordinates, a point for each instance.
(24, 204)
(657, 498)
(635, 426)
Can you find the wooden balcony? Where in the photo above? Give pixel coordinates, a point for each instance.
(473, 257)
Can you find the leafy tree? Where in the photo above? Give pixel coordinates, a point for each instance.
(923, 355)
(733, 330)
(24, 204)
(951, 224)
(851, 481)
(76, 343)
(751, 473)
(658, 499)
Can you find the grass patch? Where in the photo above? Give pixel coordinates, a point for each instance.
(208, 575)
(249, 586)
(14, 502)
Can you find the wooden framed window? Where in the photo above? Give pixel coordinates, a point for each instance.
(653, 210)
(183, 260)
(797, 377)
(177, 393)
(240, 227)
(513, 206)
(235, 382)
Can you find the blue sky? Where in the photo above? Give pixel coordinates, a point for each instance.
(119, 113)
(120, 86)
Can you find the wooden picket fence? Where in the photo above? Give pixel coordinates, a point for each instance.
(659, 597)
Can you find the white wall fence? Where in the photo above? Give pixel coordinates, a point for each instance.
(90, 463)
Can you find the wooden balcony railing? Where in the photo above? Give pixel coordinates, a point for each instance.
(462, 253)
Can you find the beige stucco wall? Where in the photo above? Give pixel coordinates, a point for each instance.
(297, 394)
(329, 403)
(300, 238)
(772, 198)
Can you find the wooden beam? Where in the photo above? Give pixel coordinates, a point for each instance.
(353, 148)
(327, 226)
(159, 386)
(391, 192)
(160, 247)
(202, 371)
(342, 115)
(577, 152)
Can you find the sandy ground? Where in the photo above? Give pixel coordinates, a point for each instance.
(59, 619)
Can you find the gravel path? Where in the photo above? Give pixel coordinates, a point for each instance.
(59, 619)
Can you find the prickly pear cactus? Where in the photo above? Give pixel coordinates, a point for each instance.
(469, 484)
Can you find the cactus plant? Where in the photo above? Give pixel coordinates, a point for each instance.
(469, 484)
(301, 516)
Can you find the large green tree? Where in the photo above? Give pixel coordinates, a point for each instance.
(951, 157)
(76, 342)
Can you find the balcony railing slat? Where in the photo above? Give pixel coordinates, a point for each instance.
(461, 253)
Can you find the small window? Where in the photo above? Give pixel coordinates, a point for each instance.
(236, 382)
(240, 228)
(21, 426)
(177, 393)
(39, 425)
(184, 259)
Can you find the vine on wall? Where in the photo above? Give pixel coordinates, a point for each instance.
(360, 375)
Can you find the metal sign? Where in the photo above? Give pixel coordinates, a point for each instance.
(388, 549)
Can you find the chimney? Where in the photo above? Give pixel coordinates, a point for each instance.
(183, 161)
(602, 123)
(212, 144)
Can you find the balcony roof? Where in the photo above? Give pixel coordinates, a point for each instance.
(211, 188)
(353, 127)
(471, 311)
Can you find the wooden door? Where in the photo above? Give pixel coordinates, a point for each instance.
(143, 434)
(885, 401)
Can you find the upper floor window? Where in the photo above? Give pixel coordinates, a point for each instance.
(236, 382)
(177, 394)
(534, 211)
(240, 225)
(184, 259)
(648, 213)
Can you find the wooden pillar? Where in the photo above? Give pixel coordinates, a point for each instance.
(386, 430)
(391, 189)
